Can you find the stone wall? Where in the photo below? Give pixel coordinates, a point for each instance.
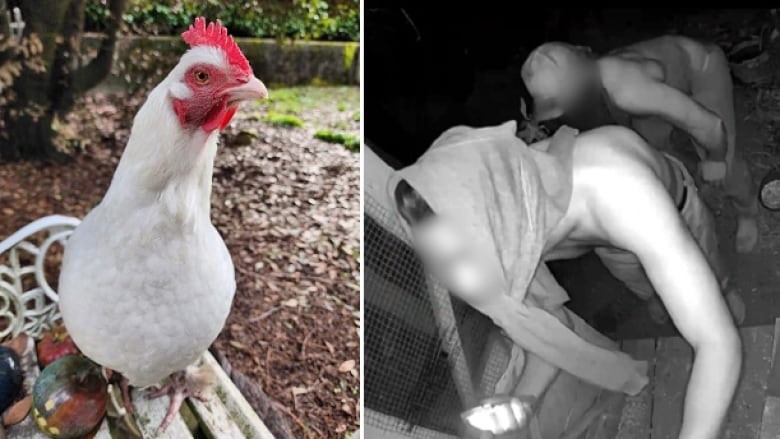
(139, 60)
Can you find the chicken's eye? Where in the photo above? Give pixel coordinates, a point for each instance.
(201, 76)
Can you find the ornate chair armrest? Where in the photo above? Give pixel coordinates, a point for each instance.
(34, 309)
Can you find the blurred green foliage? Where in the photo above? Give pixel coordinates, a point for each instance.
(332, 20)
(283, 120)
(352, 142)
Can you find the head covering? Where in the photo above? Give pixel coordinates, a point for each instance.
(551, 73)
(509, 197)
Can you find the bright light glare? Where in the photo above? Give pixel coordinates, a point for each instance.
(499, 416)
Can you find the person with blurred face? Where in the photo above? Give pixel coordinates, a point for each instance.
(656, 87)
(485, 212)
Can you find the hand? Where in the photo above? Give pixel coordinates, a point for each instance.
(713, 171)
(713, 142)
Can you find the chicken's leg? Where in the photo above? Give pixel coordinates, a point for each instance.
(124, 384)
(182, 385)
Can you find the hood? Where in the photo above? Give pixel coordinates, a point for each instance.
(506, 195)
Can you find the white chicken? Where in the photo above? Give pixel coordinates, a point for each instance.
(147, 281)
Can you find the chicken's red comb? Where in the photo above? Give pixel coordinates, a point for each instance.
(216, 35)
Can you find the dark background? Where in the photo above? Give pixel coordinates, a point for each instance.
(432, 65)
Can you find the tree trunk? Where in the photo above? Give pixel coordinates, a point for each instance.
(29, 121)
(43, 98)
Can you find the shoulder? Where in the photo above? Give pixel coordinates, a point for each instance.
(613, 146)
(620, 75)
(613, 163)
(647, 60)
(662, 47)
(616, 186)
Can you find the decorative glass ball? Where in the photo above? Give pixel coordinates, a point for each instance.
(69, 397)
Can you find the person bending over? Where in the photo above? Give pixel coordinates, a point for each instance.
(485, 212)
(655, 86)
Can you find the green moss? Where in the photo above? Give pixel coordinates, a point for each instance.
(349, 56)
(351, 142)
(143, 421)
(221, 394)
(294, 100)
(284, 100)
(284, 95)
(246, 430)
(356, 116)
(189, 417)
(284, 120)
(319, 82)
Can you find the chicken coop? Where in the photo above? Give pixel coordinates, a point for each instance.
(429, 357)
(29, 264)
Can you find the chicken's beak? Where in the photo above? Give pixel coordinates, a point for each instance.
(247, 91)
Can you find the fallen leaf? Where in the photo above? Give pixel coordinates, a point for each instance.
(330, 347)
(18, 344)
(297, 390)
(292, 303)
(17, 412)
(238, 345)
(347, 366)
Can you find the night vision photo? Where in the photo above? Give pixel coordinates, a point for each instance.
(569, 222)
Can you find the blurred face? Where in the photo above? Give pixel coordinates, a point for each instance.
(555, 75)
(450, 254)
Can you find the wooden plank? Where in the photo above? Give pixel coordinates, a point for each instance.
(672, 369)
(636, 418)
(744, 416)
(770, 418)
(773, 381)
(563, 405)
(214, 418)
(103, 432)
(605, 426)
(770, 424)
(235, 403)
(150, 413)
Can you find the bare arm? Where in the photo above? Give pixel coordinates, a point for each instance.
(538, 374)
(637, 93)
(635, 213)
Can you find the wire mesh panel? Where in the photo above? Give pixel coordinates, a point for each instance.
(417, 373)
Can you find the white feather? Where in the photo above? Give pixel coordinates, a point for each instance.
(146, 281)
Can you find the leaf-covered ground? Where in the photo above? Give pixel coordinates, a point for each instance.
(287, 205)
